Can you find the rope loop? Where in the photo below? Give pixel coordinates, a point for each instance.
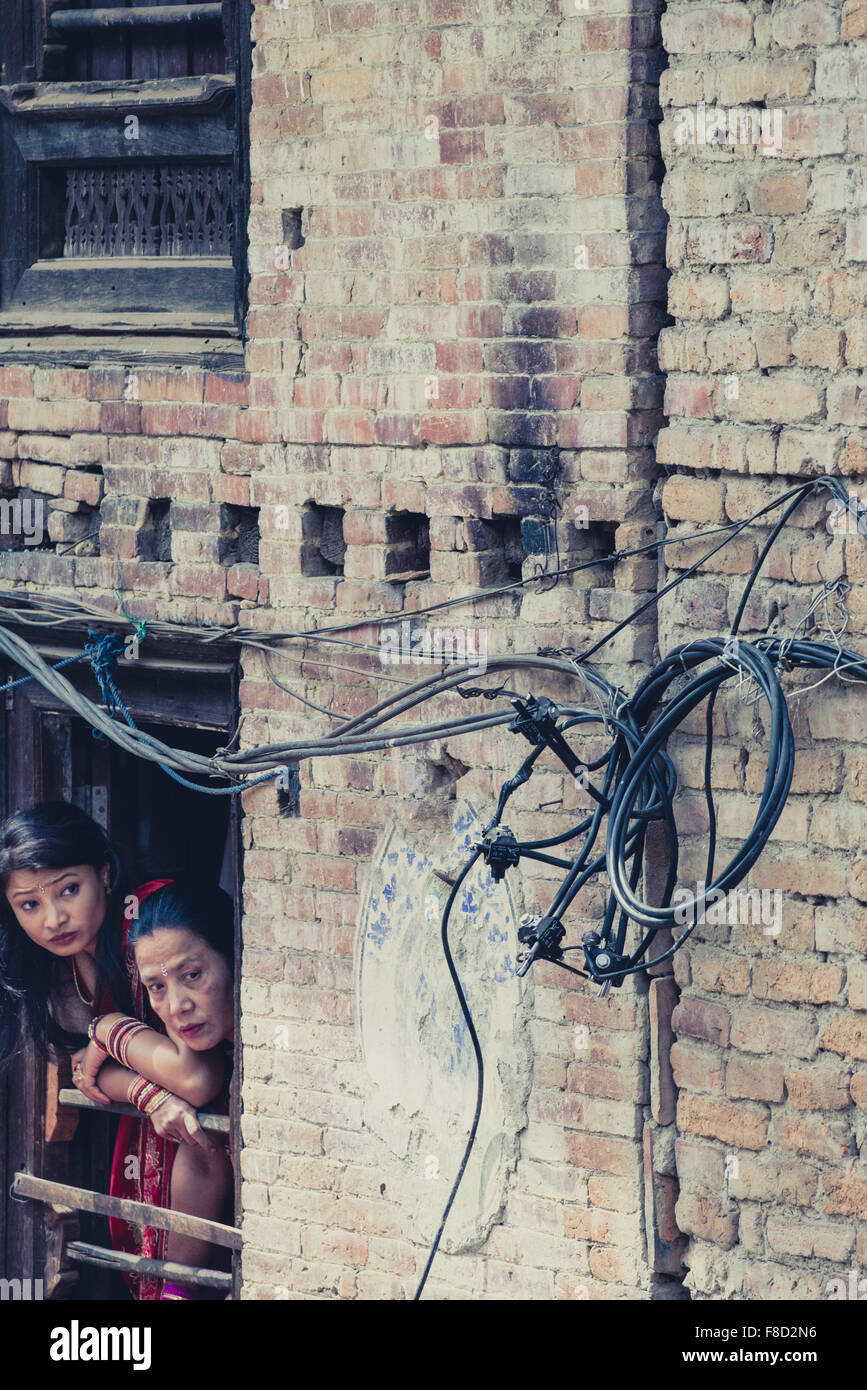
(102, 652)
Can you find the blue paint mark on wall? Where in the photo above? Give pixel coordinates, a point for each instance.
(403, 918)
(505, 970)
(379, 930)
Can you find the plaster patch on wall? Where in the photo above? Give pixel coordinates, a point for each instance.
(414, 1039)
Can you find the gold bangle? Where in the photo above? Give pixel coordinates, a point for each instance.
(156, 1101)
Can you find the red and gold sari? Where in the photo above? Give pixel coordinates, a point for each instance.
(141, 1169)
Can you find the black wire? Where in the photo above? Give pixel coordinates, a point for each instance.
(480, 1066)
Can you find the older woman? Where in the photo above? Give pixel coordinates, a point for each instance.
(181, 937)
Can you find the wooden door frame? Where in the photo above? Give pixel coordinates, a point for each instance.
(211, 674)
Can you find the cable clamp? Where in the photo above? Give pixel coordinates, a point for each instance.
(536, 720)
(542, 937)
(500, 851)
(602, 962)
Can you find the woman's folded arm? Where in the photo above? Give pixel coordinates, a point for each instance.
(196, 1077)
(174, 1119)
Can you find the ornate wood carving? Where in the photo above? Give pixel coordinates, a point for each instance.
(149, 210)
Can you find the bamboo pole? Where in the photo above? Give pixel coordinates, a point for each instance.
(86, 1254)
(138, 1213)
(217, 1123)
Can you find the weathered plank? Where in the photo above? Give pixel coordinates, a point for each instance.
(133, 282)
(84, 1253)
(73, 99)
(59, 1125)
(218, 1124)
(137, 1213)
(43, 346)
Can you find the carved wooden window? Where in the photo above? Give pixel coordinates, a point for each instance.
(124, 166)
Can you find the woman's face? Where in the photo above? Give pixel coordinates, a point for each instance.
(189, 986)
(61, 910)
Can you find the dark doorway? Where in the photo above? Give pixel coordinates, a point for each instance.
(161, 828)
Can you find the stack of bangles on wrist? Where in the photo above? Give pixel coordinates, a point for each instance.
(146, 1095)
(118, 1039)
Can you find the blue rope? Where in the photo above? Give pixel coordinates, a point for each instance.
(67, 661)
(103, 653)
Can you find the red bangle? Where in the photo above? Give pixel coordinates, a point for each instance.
(91, 1033)
(120, 1036)
(146, 1095)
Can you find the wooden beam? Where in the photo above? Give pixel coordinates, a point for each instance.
(144, 663)
(61, 1227)
(219, 1124)
(82, 351)
(71, 99)
(59, 1126)
(137, 1213)
(136, 15)
(83, 1253)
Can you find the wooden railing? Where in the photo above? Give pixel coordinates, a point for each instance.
(219, 1124)
(64, 1200)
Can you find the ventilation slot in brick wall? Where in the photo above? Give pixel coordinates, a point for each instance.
(323, 548)
(293, 236)
(73, 527)
(407, 547)
(239, 535)
(52, 507)
(590, 542)
(155, 536)
(499, 549)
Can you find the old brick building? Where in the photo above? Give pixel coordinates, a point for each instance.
(500, 318)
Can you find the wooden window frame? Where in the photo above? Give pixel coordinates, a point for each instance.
(165, 686)
(45, 125)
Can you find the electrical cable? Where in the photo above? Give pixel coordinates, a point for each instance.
(480, 1065)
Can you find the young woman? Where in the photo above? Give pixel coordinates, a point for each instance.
(61, 924)
(63, 960)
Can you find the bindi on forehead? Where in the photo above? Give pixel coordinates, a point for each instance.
(175, 967)
(42, 887)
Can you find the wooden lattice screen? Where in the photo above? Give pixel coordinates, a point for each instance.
(128, 145)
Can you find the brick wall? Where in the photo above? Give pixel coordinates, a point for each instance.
(469, 324)
(457, 278)
(764, 366)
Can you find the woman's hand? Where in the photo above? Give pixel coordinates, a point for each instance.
(85, 1069)
(176, 1119)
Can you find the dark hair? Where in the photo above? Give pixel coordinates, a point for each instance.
(205, 910)
(53, 835)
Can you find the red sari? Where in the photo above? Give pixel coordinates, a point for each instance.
(141, 1169)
